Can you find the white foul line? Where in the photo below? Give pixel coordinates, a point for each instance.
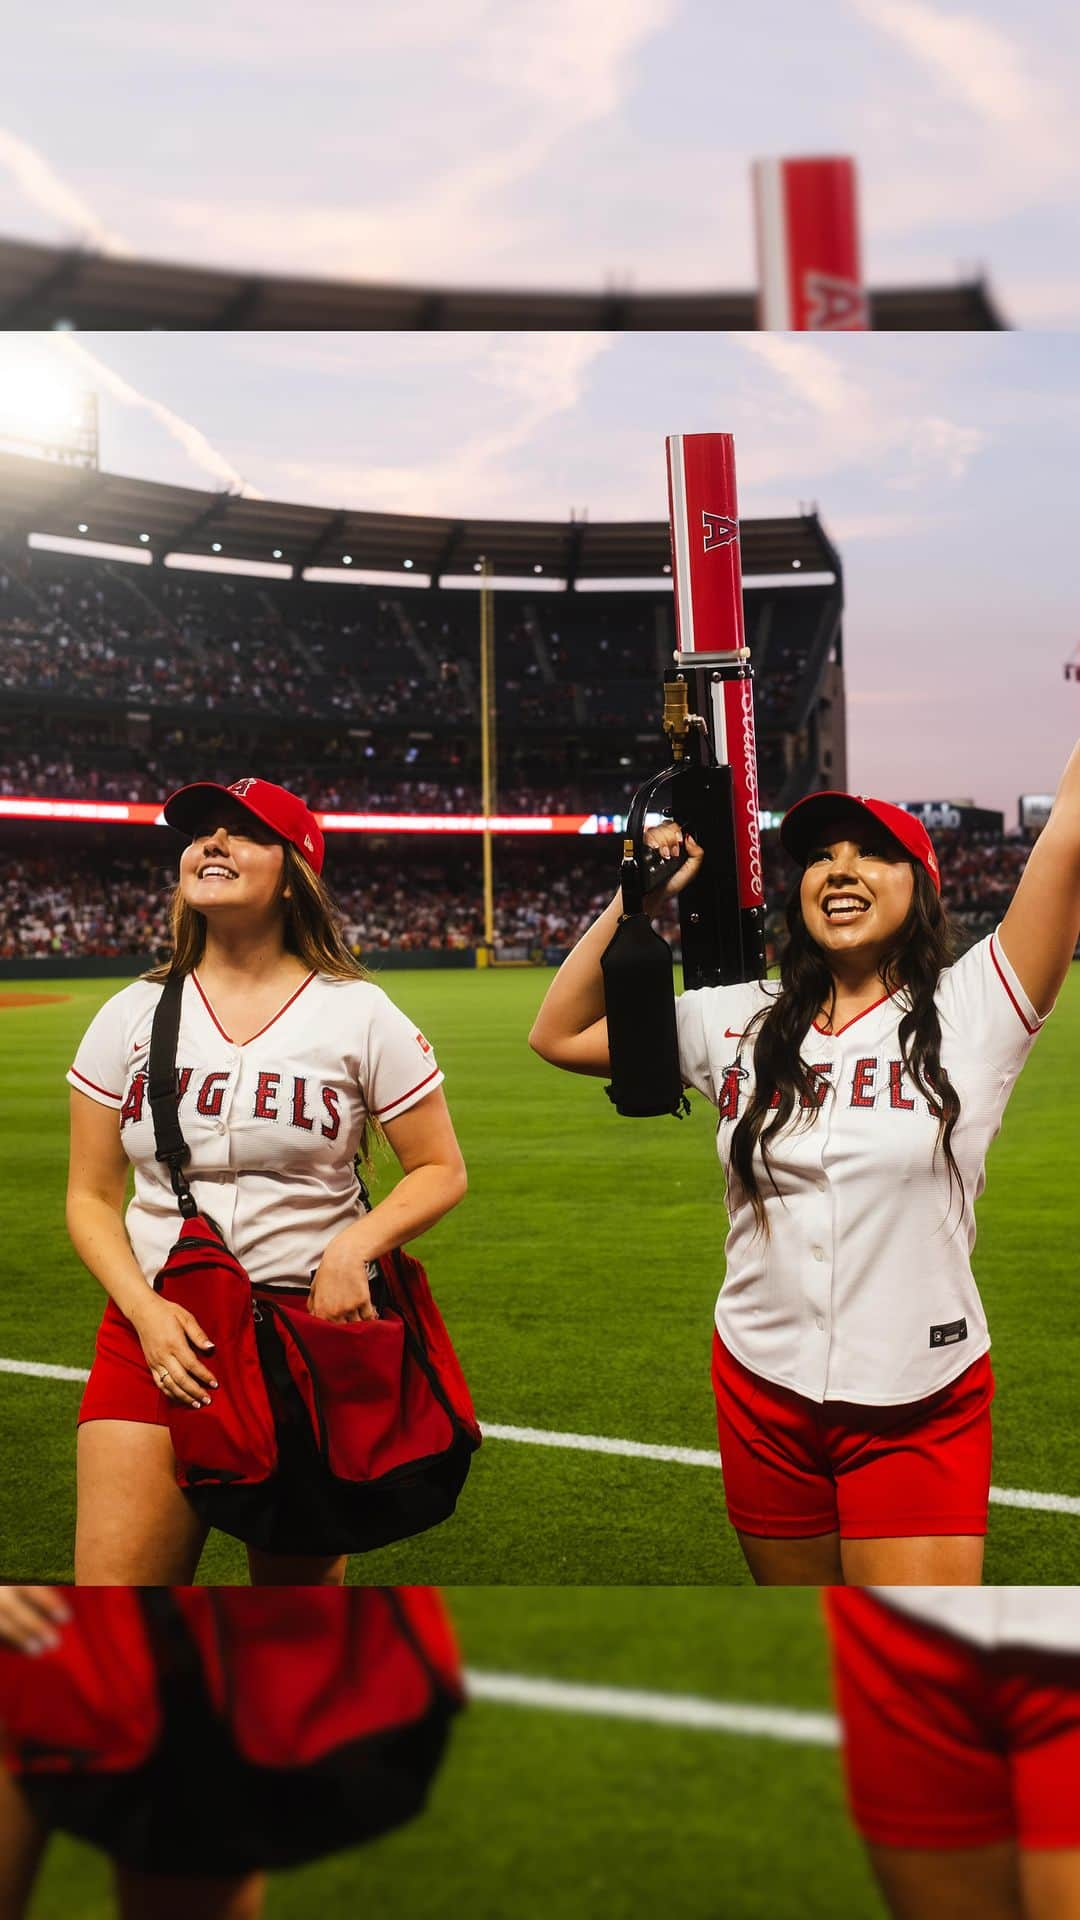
(596, 1443)
(706, 1457)
(40, 1370)
(600, 1443)
(658, 1709)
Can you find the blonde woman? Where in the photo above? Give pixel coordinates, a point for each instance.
(288, 1054)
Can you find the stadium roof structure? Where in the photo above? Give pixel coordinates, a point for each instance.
(48, 497)
(42, 286)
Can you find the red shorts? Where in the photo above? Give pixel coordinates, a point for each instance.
(947, 1744)
(793, 1467)
(121, 1385)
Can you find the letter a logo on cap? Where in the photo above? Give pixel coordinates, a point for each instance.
(242, 786)
(309, 843)
(720, 529)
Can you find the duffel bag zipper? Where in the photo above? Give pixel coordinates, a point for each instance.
(287, 1329)
(202, 1266)
(213, 1246)
(415, 1341)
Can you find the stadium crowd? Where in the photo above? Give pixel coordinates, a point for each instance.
(62, 777)
(94, 630)
(401, 892)
(125, 682)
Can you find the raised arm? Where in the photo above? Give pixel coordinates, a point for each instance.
(1042, 926)
(570, 1030)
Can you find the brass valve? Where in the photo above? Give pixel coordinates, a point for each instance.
(678, 719)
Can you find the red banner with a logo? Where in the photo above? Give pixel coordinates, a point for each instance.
(809, 265)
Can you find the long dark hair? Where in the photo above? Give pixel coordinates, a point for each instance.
(313, 930)
(925, 943)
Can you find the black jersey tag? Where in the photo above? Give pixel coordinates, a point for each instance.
(948, 1334)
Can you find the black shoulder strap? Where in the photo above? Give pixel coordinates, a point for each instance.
(162, 1091)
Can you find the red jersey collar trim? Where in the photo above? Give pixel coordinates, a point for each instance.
(833, 1033)
(254, 1036)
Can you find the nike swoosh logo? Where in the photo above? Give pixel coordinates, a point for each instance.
(732, 1033)
(141, 1045)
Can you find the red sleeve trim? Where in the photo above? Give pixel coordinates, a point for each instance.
(94, 1084)
(1001, 976)
(379, 1111)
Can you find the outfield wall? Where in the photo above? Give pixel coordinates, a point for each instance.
(97, 967)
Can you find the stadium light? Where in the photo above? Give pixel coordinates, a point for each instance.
(37, 405)
(277, 553)
(45, 412)
(406, 564)
(538, 568)
(796, 563)
(216, 547)
(477, 566)
(83, 528)
(145, 538)
(346, 559)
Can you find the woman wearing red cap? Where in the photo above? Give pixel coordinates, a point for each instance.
(199, 1737)
(288, 1056)
(856, 1101)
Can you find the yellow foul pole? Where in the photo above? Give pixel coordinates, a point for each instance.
(487, 745)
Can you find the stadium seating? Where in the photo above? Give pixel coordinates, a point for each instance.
(123, 682)
(110, 897)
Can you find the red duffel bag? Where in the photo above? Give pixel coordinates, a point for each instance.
(321, 1437)
(214, 1731)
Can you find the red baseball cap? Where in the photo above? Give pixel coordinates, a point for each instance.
(803, 822)
(278, 809)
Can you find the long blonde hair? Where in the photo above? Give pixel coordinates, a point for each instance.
(313, 930)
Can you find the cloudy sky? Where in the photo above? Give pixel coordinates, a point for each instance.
(544, 142)
(943, 466)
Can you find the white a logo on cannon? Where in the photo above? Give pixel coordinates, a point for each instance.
(720, 529)
(834, 305)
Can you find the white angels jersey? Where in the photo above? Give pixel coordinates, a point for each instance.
(1044, 1617)
(864, 1291)
(273, 1124)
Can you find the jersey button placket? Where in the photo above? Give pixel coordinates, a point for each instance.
(228, 1095)
(821, 1245)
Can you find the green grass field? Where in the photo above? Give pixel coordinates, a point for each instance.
(539, 1812)
(578, 1280)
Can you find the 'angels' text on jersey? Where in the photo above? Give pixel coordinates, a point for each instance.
(868, 1081)
(289, 1099)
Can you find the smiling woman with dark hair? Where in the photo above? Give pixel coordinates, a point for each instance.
(856, 1099)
